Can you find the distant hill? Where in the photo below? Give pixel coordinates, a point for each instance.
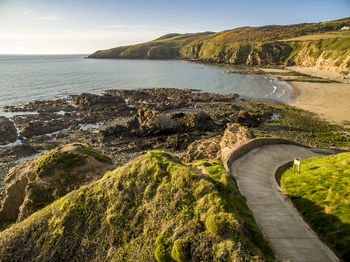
(323, 45)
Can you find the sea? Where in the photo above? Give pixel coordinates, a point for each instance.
(25, 78)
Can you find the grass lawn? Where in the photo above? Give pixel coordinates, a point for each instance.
(321, 193)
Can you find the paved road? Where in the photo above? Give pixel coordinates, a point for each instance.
(289, 236)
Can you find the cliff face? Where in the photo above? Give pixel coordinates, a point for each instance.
(249, 54)
(320, 45)
(325, 54)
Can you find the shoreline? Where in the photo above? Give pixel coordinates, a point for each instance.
(327, 98)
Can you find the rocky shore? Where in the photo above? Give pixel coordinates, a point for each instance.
(123, 124)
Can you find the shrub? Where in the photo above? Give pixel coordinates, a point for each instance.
(222, 224)
(180, 251)
(163, 249)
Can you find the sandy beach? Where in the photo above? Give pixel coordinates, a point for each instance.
(330, 100)
(316, 93)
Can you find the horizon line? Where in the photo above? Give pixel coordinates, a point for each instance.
(24, 54)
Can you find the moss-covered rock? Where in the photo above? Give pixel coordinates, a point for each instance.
(36, 183)
(181, 251)
(67, 158)
(154, 208)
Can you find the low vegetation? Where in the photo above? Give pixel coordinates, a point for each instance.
(321, 192)
(154, 208)
(301, 126)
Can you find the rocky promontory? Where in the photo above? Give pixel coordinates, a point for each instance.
(322, 46)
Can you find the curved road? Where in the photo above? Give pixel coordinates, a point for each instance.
(289, 236)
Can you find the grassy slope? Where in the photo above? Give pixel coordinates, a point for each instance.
(166, 46)
(321, 192)
(153, 208)
(231, 46)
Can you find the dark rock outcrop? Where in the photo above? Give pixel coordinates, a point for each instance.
(87, 101)
(8, 131)
(44, 127)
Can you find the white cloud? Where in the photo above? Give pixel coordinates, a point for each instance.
(29, 12)
(33, 15)
(50, 18)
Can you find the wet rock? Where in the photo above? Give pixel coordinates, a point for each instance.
(35, 183)
(162, 99)
(96, 102)
(43, 127)
(8, 131)
(42, 106)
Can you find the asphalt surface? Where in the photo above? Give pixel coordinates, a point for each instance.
(289, 236)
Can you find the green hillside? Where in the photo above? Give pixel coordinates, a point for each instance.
(154, 208)
(265, 45)
(167, 46)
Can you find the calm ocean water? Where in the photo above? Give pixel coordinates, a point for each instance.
(28, 78)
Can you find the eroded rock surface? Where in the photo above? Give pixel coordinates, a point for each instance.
(218, 146)
(37, 182)
(234, 136)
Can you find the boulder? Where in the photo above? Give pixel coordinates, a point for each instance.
(218, 146)
(234, 136)
(35, 183)
(8, 131)
(203, 149)
(199, 121)
(154, 123)
(43, 127)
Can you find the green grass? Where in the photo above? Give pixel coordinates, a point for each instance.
(321, 192)
(154, 208)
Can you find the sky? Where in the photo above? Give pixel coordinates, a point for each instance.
(84, 26)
